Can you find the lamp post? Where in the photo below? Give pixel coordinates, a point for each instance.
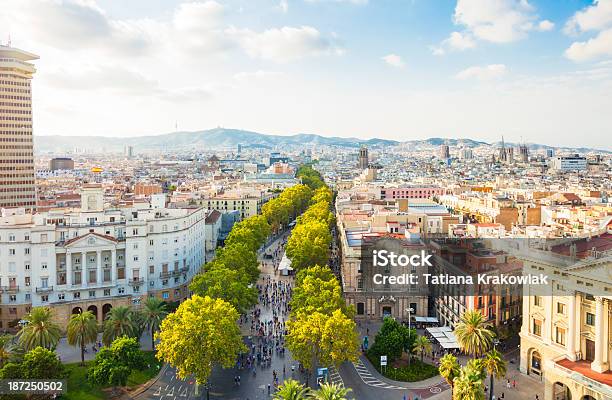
(410, 311)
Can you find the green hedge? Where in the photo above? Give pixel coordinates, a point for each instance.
(417, 371)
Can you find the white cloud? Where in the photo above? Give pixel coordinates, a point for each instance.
(285, 44)
(592, 18)
(598, 18)
(394, 60)
(259, 74)
(488, 72)
(600, 45)
(456, 41)
(546, 25)
(497, 21)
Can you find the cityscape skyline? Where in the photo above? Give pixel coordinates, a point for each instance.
(534, 71)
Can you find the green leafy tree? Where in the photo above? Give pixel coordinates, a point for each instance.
(308, 245)
(41, 363)
(82, 330)
(238, 257)
(114, 364)
(316, 294)
(230, 285)
(449, 368)
(118, 323)
(291, 390)
(11, 370)
(154, 312)
(331, 391)
(473, 333)
(495, 365)
(40, 330)
(422, 345)
(392, 340)
(317, 338)
(202, 332)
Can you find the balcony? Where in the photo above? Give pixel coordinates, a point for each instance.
(166, 274)
(581, 372)
(44, 289)
(136, 281)
(10, 289)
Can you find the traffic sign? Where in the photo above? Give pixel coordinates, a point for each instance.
(383, 361)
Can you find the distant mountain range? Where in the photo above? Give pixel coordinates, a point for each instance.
(221, 138)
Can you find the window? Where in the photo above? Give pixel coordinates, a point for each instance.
(77, 295)
(414, 308)
(26, 237)
(537, 301)
(135, 246)
(28, 297)
(13, 298)
(121, 290)
(92, 293)
(11, 252)
(134, 231)
(560, 336)
(590, 319)
(27, 281)
(560, 308)
(537, 327)
(360, 309)
(11, 237)
(151, 269)
(27, 266)
(106, 292)
(26, 251)
(61, 296)
(43, 266)
(44, 298)
(360, 284)
(165, 295)
(151, 242)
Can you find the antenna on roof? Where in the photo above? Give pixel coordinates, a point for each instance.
(9, 40)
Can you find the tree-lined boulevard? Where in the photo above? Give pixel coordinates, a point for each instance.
(250, 332)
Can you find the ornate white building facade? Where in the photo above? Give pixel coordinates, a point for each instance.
(97, 258)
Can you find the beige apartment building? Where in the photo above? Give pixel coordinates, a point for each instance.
(17, 186)
(247, 202)
(566, 336)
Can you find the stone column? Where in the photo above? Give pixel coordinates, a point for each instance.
(114, 266)
(572, 327)
(601, 344)
(84, 274)
(99, 267)
(68, 268)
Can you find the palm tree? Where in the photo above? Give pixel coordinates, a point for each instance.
(473, 333)
(330, 391)
(5, 348)
(40, 330)
(82, 329)
(449, 368)
(468, 385)
(422, 345)
(291, 390)
(494, 364)
(118, 323)
(155, 310)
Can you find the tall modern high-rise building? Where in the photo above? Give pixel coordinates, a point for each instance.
(444, 152)
(17, 185)
(363, 158)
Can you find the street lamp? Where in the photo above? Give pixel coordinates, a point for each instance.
(410, 311)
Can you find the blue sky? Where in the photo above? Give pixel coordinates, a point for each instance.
(401, 69)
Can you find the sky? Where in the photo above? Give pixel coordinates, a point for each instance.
(537, 71)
